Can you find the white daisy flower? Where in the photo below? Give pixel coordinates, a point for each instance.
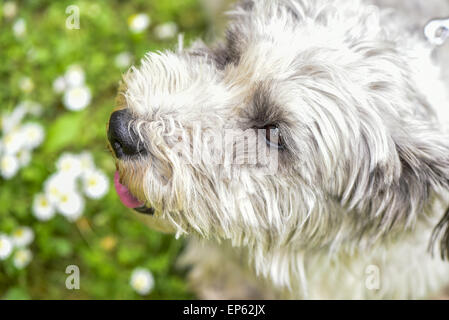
(9, 165)
(142, 281)
(24, 107)
(32, 107)
(43, 210)
(33, 135)
(19, 28)
(95, 184)
(123, 60)
(70, 205)
(24, 157)
(5, 246)
(77, 98)
(22, 258)
(57, 184)
(26, 84)
(74, 77)
(12, 120)
(59, 84)
(69, 164)
(87, 162)
(13, 142)
(22, 237)
(9, 9)
(166, 30)
(139, 22)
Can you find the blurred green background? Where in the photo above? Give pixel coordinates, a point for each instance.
(106, 242)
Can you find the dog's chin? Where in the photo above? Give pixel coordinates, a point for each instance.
(144, 212)
(128, 199)
(156, 223)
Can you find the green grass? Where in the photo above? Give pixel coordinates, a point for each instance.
(107, 243)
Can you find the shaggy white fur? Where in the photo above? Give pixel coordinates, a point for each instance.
(362, 153)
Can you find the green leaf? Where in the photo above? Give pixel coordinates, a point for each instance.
(64, 132)
(16, 293)
(63, 247)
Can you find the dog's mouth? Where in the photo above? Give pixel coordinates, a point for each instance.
(128, 199)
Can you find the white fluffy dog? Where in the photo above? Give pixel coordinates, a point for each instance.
(346, 102)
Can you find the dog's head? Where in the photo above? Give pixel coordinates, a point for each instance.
(311, 132)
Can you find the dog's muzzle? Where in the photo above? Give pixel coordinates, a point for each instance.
(128, 199)
(145, 210)
(124, 140)
(125, 143)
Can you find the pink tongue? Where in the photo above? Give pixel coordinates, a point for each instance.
(125, 196)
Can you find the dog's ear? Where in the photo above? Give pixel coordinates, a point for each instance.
(424, 157)
(221, 54)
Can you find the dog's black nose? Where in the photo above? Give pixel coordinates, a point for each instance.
(121, 135)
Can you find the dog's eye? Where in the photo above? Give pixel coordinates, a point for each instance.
(273, 136)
